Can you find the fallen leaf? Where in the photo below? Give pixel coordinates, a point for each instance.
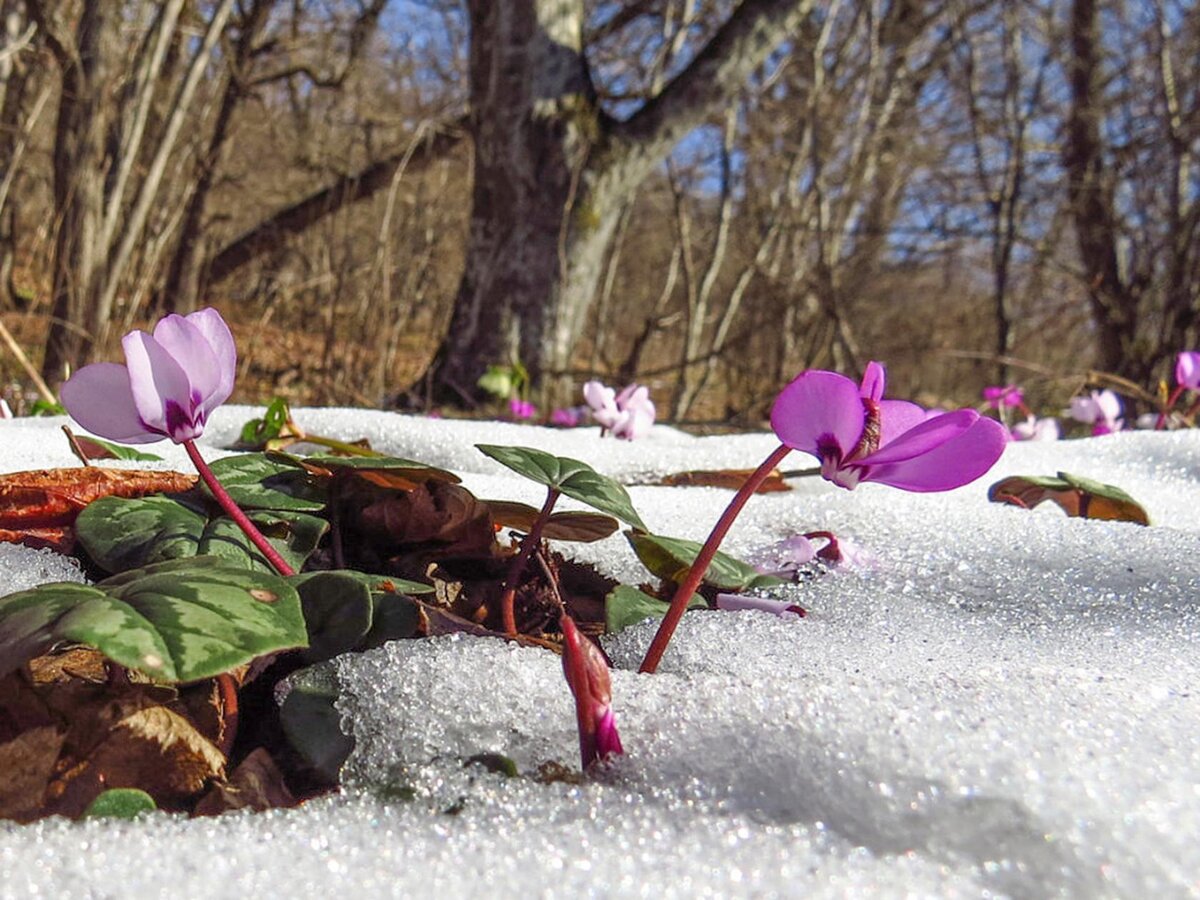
(54, 497)
(27, 762)
(1074, 494)
(256, 784)
(731, 479)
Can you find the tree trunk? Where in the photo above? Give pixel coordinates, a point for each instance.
(80, 167)
(533, 120)
(1090, 191)
(552, 173)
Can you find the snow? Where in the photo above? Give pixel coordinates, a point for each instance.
(1003, 703)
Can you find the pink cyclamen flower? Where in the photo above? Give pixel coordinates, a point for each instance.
(1187, 370)
(568, 417)
(858, 436)
(628, 415)
(1004, 396)
(5, 412)
(785, 609)
(1035, 429)
(588, 677)
(1100, 409)
(521, 409)
(170, 383)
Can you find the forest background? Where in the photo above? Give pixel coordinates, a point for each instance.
(386, 197)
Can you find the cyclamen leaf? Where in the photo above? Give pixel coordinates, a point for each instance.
(94, 448)
(176, 621)
(311, 723)
(121, 534)
(571, 477)
(255, 481)
(569, 525)
(1074, 494)
(626, 605)
(120, 803)
(670, 558)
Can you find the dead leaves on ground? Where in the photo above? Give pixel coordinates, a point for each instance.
(37, 508)
(72, 726)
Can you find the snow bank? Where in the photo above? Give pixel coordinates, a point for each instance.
(1004, 703)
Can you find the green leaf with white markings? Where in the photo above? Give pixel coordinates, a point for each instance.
(255, 481)
(570, 477)
(120, 533)
(176, 621)
(670, 558)
(626, 605)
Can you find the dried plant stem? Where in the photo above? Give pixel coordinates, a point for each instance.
(15, 349)
(528, 544)
(234, 512)
(695, 574)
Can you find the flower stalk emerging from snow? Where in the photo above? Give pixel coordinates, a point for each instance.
(856, 436)
(171, 382)
(588, 677)
(1187, 378)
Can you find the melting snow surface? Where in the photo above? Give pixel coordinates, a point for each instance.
(1003, 704)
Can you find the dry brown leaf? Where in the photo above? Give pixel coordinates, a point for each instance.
(731, 479)
(49, 497)
(256, 784)
(27, 764)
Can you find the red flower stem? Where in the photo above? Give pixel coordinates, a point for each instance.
(1170, 404)
(695, 574)
(232, 510)
(528, 543)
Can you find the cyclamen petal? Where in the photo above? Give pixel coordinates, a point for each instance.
(816, 409)
(958, 461)
(922, 438)
(1187, 370)
(170, 383)
(100, 399)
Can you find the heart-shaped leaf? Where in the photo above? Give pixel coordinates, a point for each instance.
(256, 481)
(312, 724)
(383, 471)
(1074, 494)
(337, 612)
(120, 803)
(95, 448)
(121, 534)
(181, 620)
(626, 605)
(571, 477)
(569, 525)
(670, 558)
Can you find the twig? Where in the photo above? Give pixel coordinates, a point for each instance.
(16, 351)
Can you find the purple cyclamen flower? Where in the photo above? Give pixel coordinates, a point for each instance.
(5, 412)
(521, 409)
(628, 415)
(785, 609)
(170, 383)
(1100, 409)
(1035, 429)
(587, 675)
(568, 417)
(858, 436)
(1187, 370)
(1008, 396)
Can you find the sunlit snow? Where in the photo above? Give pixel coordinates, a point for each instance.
(1003, 704)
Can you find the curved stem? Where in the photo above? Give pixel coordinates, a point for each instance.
(528, 543)
(1170, 404)
(234, 512)
(339, 446)
(695, 574)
